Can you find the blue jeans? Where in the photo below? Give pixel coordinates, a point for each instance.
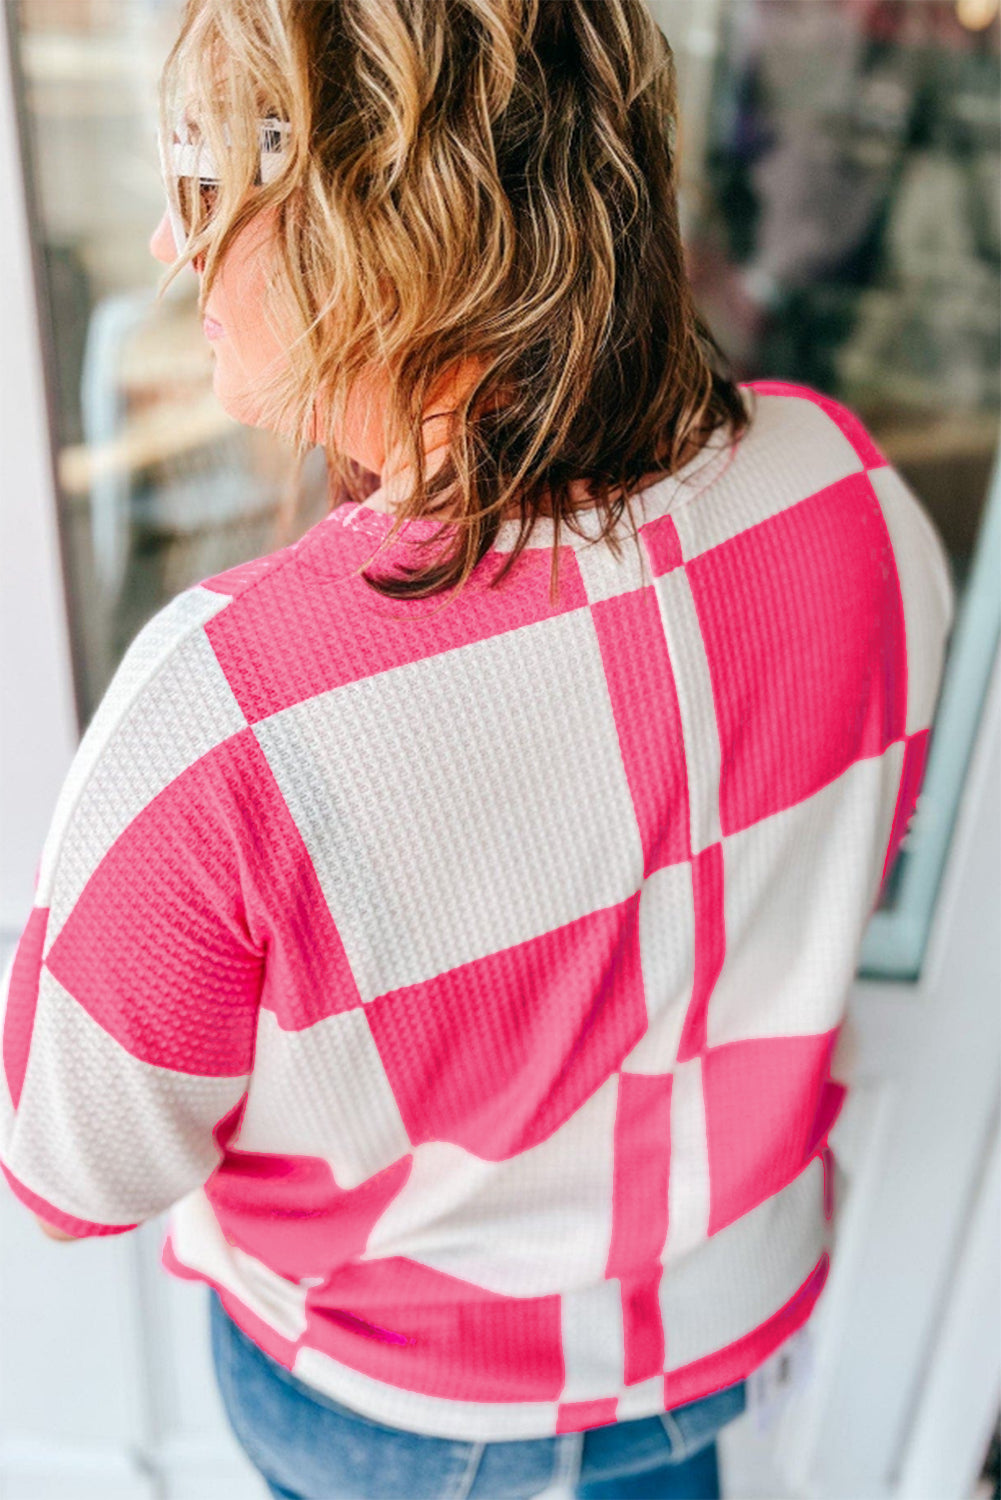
(309, 1447)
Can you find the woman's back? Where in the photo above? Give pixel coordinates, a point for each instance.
(500, 949)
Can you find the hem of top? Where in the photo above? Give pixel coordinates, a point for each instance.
(405, 1410)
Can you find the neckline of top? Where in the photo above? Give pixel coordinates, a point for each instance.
(652, 501)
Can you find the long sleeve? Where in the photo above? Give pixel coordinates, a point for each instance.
(130, 1002)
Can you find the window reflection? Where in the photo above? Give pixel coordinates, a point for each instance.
(158, 485)
(842, 229)
(849, 234)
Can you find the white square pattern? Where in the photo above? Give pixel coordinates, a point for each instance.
(523, 802)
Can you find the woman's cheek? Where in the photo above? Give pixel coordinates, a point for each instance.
(233, 390)
(251, 351)
(239, 378)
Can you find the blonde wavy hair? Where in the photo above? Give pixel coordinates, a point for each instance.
(492, 180)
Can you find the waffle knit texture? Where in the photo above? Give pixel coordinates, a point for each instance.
(466, 981)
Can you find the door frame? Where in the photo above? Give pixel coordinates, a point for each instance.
(907, 1370)
(39, 728)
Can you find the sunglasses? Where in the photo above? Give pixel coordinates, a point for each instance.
(191, 177)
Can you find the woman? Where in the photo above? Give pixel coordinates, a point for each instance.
(465, 973)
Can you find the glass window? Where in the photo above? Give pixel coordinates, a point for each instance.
(158, 485)
(840, 162)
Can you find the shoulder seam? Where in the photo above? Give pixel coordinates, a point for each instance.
(843, 417)
(253, 583)
(50, 859)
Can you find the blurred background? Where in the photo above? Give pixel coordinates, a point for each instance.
(841, 209)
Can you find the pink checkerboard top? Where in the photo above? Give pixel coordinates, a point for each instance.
(466, 980)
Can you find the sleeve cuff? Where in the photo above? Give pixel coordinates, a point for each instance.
(79, 1228)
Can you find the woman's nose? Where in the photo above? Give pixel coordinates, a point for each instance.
(161, 244)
